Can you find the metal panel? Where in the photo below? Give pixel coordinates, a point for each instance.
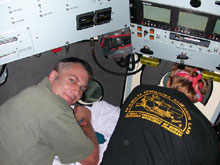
(41, 25)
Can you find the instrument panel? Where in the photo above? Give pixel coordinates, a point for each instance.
(188, 35)
(30, 27)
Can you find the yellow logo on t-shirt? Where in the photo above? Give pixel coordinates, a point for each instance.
(159, 108)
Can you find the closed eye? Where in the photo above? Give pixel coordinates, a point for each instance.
(82, 89)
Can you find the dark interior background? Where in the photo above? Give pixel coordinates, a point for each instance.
(28, 71)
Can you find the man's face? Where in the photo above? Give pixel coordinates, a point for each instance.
(70, 83)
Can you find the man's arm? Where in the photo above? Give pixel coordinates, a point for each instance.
(93, 158)
(83, 115)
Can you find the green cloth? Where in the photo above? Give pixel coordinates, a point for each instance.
(35, 125)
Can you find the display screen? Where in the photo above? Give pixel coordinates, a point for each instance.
(217, 27)
(192, 21)
(156, 13)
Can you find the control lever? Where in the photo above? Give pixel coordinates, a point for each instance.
(146, 50)
(182, 56)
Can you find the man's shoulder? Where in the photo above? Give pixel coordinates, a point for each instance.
(40, 89)
(33, 92)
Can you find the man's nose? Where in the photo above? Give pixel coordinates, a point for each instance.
(76, 90)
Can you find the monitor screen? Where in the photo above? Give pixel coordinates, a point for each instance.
(192, 21)
(217, 27)
(156, 13)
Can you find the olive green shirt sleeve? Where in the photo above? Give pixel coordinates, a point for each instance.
(65, 137)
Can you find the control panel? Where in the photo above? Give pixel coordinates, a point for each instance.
(184, 31)
(30, 27)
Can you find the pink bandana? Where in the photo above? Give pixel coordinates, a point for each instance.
(183, 73)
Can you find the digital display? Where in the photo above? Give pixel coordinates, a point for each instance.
(192, 21)
(217, 27)
(156, 13)
(84, 20)
(103, 16)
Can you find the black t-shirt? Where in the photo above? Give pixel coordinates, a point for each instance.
(161, 126)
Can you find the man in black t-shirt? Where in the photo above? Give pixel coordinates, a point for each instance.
(161, 126)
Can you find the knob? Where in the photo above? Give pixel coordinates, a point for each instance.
(195, 3)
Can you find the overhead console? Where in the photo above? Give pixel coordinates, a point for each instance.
(30, 27)
(184, 34)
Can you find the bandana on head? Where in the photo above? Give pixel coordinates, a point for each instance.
(183, 73)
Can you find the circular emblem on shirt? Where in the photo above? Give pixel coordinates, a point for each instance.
(161, 109)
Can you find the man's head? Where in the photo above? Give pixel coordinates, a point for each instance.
(69, 79)
(189, 81)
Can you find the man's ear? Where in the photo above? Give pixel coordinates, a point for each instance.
(168, 83)
(52, 76)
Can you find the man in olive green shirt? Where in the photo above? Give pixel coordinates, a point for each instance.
(38, 123)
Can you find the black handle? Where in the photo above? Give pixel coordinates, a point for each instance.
(182, 57)
(146, 50)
